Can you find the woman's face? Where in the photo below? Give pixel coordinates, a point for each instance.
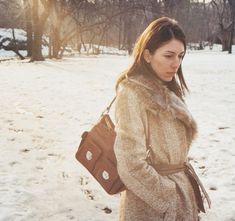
(166, 60)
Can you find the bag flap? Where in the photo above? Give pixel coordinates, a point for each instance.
(88, 153)
(105, 173)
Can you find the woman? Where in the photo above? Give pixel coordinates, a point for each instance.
(155, 130)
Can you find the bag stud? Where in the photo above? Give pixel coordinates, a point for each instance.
(105, 175)
(89, 155)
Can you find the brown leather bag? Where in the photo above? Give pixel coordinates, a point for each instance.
(96, 154)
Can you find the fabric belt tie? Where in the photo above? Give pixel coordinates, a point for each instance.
(168, 169)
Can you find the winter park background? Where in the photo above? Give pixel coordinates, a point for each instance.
(46, 105)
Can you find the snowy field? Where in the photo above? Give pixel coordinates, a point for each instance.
(45, 106)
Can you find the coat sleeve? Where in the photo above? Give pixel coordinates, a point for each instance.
(130, 149)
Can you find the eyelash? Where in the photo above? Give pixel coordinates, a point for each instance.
(170, 56)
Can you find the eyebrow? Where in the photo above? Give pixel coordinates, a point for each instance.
(172, 52)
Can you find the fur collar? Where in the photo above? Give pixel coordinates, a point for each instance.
(157, 96)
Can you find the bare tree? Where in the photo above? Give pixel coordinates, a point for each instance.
(57, 21)
(10, 12)
(118, 23)
(11, 15)
(29, 28)
(232, 11)
(39, 20)
(221, 9)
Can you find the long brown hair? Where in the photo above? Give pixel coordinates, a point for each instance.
(154, 36)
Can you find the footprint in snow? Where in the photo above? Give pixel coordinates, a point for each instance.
(83, 180)
(14, 163)
(222, 128)
(107, 210)
(39, 116)
(25, 150)
(88, 193)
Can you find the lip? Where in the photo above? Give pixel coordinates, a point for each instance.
(171, 73)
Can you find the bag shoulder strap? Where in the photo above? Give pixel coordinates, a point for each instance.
(148, 143)
(110, 105)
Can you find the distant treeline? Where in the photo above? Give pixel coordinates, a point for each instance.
(115, 23)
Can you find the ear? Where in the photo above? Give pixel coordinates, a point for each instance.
(147, 55)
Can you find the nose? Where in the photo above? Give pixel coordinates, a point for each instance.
(176, 63)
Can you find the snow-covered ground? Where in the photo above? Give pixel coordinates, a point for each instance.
(7, 33)
(45, 106)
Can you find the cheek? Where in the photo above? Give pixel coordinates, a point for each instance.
(158, 63)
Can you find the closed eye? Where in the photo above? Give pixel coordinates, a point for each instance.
(172, 56)
(168, 56)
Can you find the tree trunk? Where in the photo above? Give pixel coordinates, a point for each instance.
(50, 43)
(83, 43)
(29, 29)
(56, 43)
(15, 47)
(225, 44)
(37, 34)
(120, 25)
(232, 10)
(231, 36)
(127, 31)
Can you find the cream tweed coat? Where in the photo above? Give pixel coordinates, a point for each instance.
(143, 101)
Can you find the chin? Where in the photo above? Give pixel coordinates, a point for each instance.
(169, 79)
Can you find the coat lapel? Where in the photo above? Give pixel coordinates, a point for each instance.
(157, 96)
